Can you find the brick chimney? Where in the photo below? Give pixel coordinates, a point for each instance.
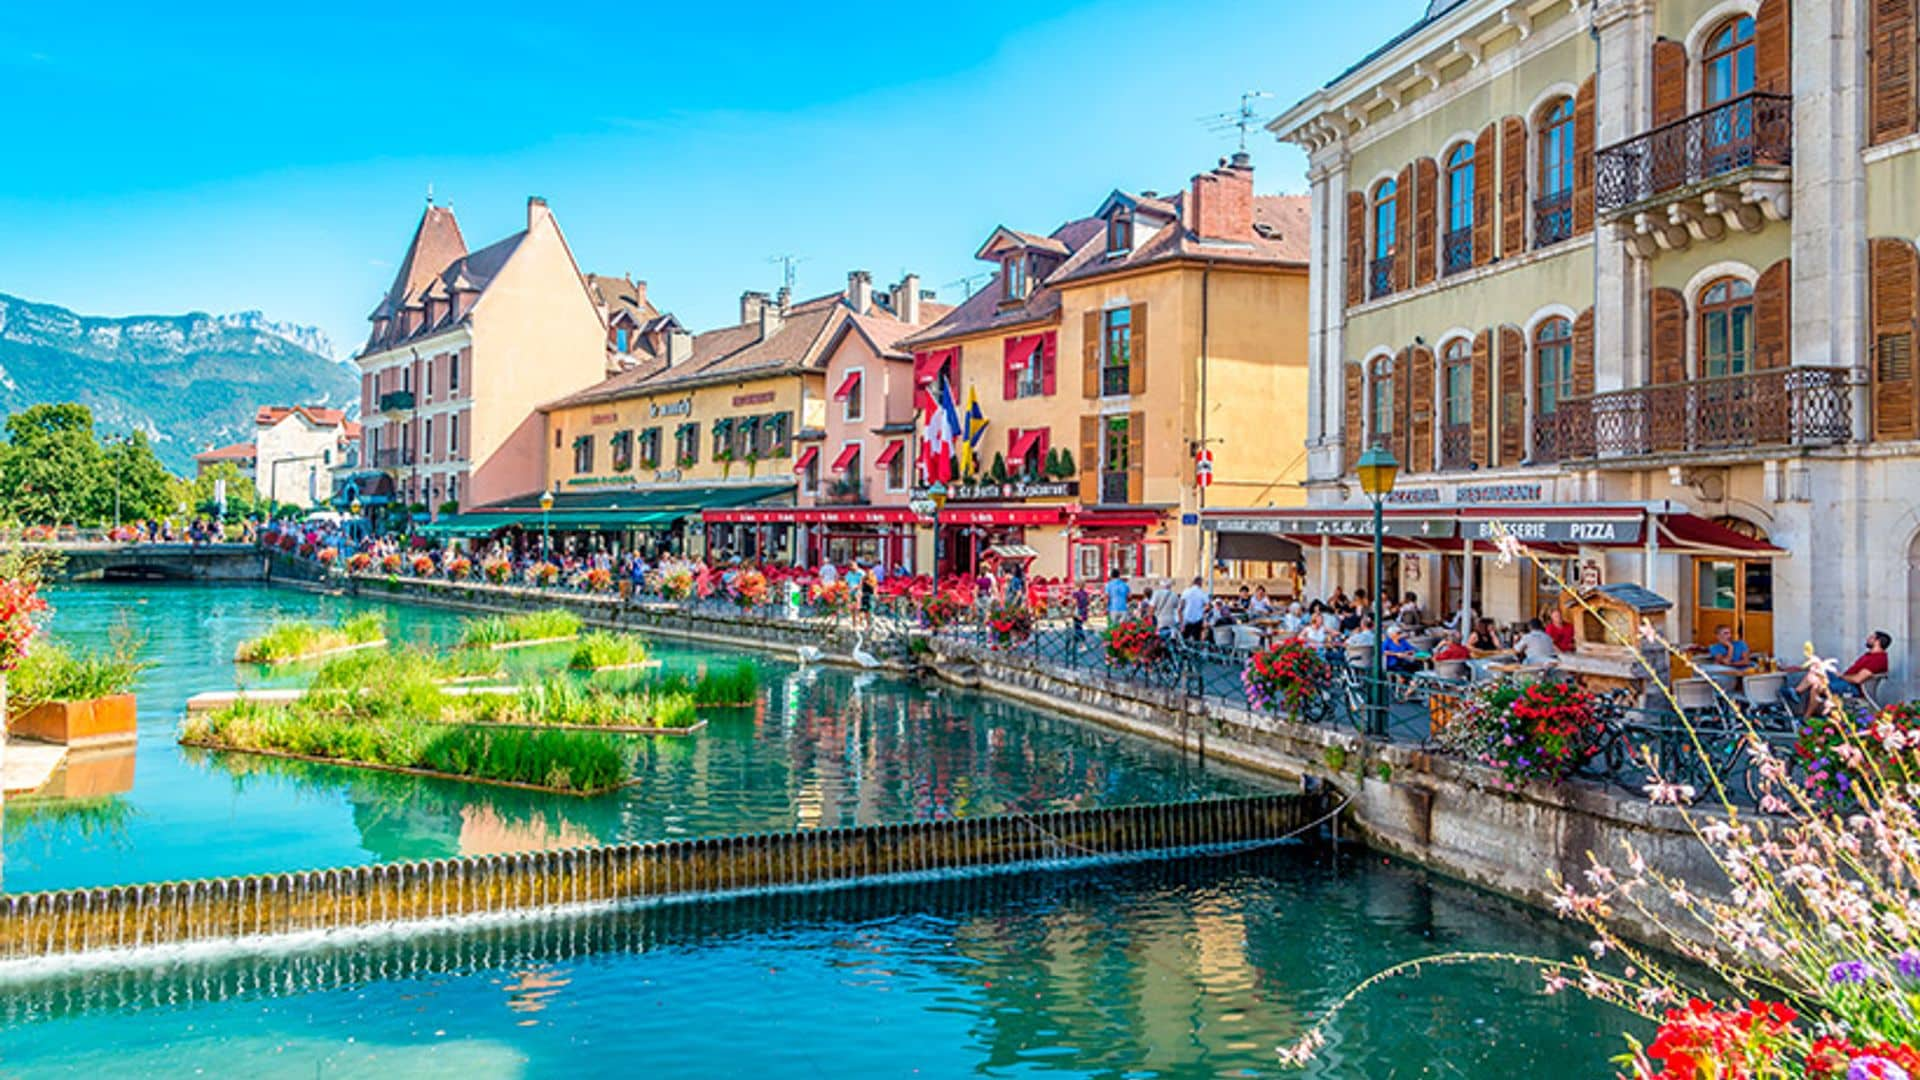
(537, 211)
(771, 319)
(905, 300)
(751, 304)
(679, 347)
(860, 292)
(1222, 202)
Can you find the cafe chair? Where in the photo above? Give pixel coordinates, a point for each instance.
(1360, 657)
(1767, 704)
(1696, 697)
(1245, 638)
(1223, 635)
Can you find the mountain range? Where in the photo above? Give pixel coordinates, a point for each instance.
(189, 381)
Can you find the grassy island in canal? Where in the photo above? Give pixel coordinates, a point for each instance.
(300, 639)
(518, 631)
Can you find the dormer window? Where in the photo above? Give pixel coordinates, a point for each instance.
(1120, 233)
(1013, 276)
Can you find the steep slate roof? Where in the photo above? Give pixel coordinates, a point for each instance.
(438, 265)
(436, 242)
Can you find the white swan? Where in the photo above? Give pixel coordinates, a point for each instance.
(808, 654)
(860, 654)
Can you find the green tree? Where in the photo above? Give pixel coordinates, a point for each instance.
(136, 480)
(243, 500)
(53, 466)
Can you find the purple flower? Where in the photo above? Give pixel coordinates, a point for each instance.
(1851, 971)
(1871, 1067)
(1907, 964)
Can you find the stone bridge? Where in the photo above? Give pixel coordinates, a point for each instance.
(88, 561)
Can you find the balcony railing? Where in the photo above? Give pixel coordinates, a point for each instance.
(1456, 251)
(392, 459)
(396, 401)
(1380, 277)
(1547, 438)
(1552, 218)
(1116, 379)
(1456, 447)
(1752, 130)
(1114, 487)
(1789, 406)
(844, 493)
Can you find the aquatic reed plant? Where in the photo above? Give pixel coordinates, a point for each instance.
(603, 649)
(531, 626)
(292, 639)
(559, 700)
(53, 671)
(716, 687)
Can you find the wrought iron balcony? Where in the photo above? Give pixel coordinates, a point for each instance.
(1552, 218)
(1547, 439)
(1115, 380)
(1380, 277)
(1456, 447)
(392, 458)
(1788, 406)
(843, 493)
(1456, 251)
(1750, 132)
(1114, 488)
(396, 401)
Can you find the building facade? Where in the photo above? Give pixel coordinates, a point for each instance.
(1635, 278)
(462, 346)
(1106, 355)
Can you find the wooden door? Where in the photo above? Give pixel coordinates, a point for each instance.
(1735, 593)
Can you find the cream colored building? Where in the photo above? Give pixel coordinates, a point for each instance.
(296, 450)
(1636, 277)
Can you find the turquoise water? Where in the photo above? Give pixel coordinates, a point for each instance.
(1188, 969)
(823, 747)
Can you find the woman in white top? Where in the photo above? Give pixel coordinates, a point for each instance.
(1316, 633)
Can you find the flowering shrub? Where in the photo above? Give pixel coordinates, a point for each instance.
(497, 570)
(832, 597)
(307, 549)
(459, 568)
(1134, 640)
(423, 566)
(941, 607)
(1011, 622)
(1836, 751)
(328, 556)
(1284, 677)
(750, 588)
(360, 562)
(675, 584)
(391, 562)
(1703, 1042)
(287, 541)
(599, 579)
(544, 573)
(20, 601)
(1528, 731)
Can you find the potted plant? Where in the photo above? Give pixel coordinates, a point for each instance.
(1543, 730)
(1283, 678)
(1011, 622)
(76, 699)
(1133, 642)
(725, 457)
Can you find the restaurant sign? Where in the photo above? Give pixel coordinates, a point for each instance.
(1422, 528)
(1014, 490)
(1558, 530)
(764, 397)
(683, 407)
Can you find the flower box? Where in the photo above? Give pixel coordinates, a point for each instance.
(94, 722)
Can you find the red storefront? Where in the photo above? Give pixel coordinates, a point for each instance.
(969, 530)
(1130, 541)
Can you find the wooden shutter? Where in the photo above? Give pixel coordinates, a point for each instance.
(1669, 81)
(1773, 316)
(1090, 459)
(1583, 354)
(1667, 313)
(1513, 186)
(1773, 46)
(1090, 355)
(1890, 64)
(1402, 361)
(1137, 457)
(1010, 350)
(1583, 121)
(1513, 395)
(1420, 411)
(1350, 424)
(1426, 224)
(1485, 174)
(1045, 356)
(1894, 274)
(1137, 363)
(1482, 448)
(1356, 248)
(1403, 229)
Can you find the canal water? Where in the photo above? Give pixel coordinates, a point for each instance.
(1196, 968)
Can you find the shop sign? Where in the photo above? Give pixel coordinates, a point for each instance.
(600, 418)
(1413, 496)
(1014, 491)
(666, 476)
(683, 407)
(1500, 493)
(1426, 528)
(763, 397)
(1557, 530)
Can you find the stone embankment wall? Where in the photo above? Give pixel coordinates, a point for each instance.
(1449, 815)
(34, 925)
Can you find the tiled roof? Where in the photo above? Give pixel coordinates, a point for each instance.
(436, 242)
(617, 294)
(240, 451)
(983, 311)
(268, 415)
(1281, 234)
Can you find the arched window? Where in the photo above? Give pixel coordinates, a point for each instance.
(1727, 64)
(1458, 243)
(1456, 389)
(1726, 328)
(1553, 209)
(1380, 430)
(1552, 365)
(1386, 225)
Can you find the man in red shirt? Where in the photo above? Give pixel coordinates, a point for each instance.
(1560, 630)
(1871, 663)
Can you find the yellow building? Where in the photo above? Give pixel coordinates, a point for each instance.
(1182, 324)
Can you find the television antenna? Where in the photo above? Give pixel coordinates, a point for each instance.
(971, 281)
(1243, 119)
(788, 264)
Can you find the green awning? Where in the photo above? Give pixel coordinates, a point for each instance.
(601, 520)
(468, 524)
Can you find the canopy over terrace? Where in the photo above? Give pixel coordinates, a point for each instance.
(1559, 530)
(603, 511)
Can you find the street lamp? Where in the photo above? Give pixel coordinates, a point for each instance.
(1377, 469)
(546, 508)
(937, 494)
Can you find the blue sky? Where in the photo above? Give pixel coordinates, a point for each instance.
(204, 157)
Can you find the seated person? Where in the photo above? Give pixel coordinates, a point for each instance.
(1317, 634)
(1397, 652)
(1872, 662)
(1537, 646)
(1485, 638)
(1260, 606)
(1560, 630)
(1728, 650)
(1362, 635)
(1409, 612)
(1294, 619)
(1451, 649)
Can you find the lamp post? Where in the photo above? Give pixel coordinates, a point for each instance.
(938, 494)
(1377, 469)
(546, 536)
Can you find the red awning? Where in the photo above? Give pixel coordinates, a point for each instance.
(847, 454)
(846, 387)
(806, 458)
(1002, 515)
(1023, 441)
(1693, 535)
(892, 451)
(841, 515)
(1116, 519)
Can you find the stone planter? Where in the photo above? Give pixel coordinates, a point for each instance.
(97, 722)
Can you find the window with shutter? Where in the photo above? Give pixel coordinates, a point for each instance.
(1513, 396)
(1890, 70)
(1513, 186)
(1553, 203)
(1351, 430)
(1669, 81)
(1667, 313)
(1386, 231)
(1773, 316)
(1089, 458)
(1485, 177)
(1894, 272)
(1773, 52)
(1137, 457)
(1356, 248)
(1420, 411)
(1457, 249)
(1583, 354)
(1481, 446)
(1583, 149)
(1403, 235)
(1090, 354)
(1725, 307)
(1426, 201)
(1381, 430)
(1137, 370)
